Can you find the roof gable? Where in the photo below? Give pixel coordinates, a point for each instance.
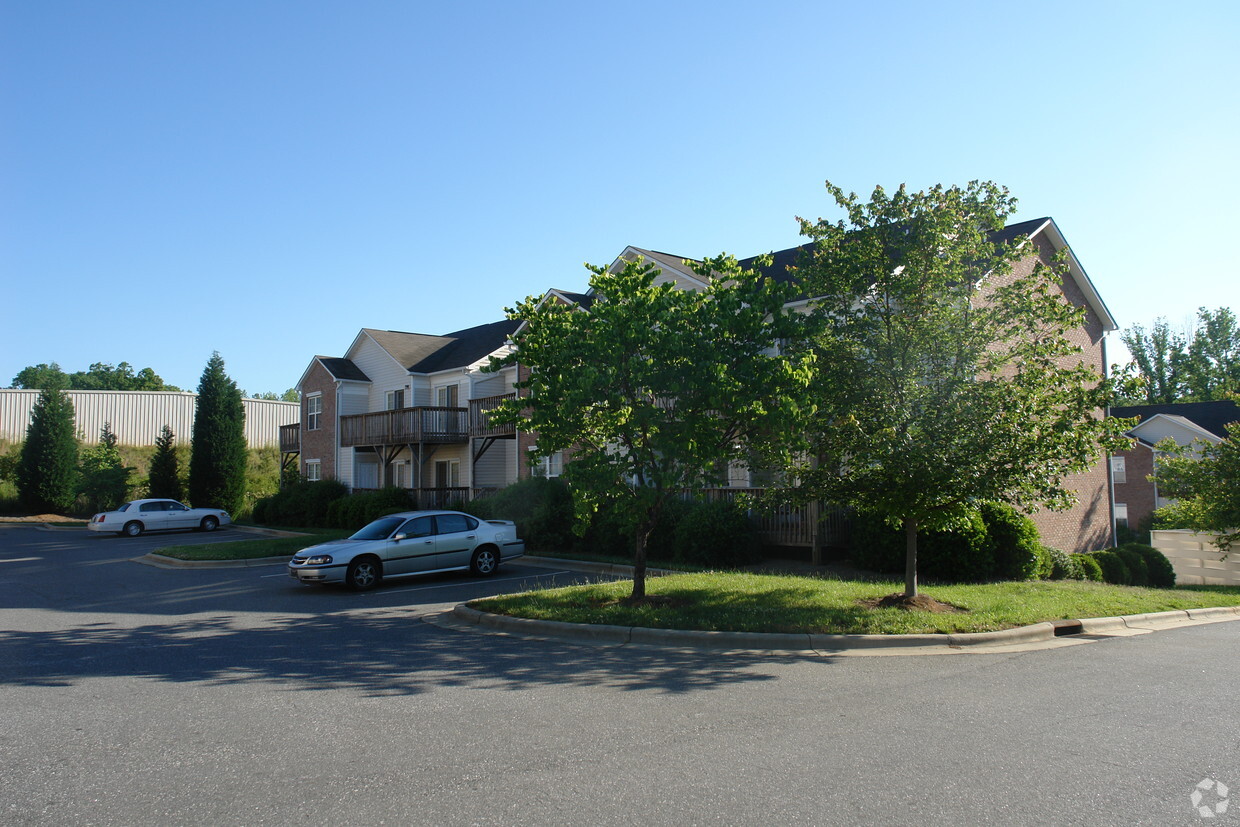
(1211, 417)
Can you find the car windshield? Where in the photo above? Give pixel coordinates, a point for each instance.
(379, 529)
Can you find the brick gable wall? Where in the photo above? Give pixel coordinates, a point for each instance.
(319, 444)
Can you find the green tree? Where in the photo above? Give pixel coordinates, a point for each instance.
(289, 395)
(100, 376)
(1201, 364)
(654, 389)
(47, 472)
(104, 478)
(165, 475)
(40, 376)
(218, 453)
(1213, 358)
(1158, 357)
(945, 377)
(1205, 481)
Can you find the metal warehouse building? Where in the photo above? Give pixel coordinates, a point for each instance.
(138, 416)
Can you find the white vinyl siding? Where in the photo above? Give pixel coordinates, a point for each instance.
(384, 372)
(496, 468)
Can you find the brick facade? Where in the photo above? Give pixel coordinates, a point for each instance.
(319, 444)
(1088, 524)
(1137, 491)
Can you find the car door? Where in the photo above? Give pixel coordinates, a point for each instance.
(455, 535)
(153, 515)
(412, 548)
(178, 516)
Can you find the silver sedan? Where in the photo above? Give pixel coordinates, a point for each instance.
(414, 542)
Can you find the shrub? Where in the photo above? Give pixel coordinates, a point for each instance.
(1014, 542)
(963, 554)
(303, 504)
(1045, 564)
(1088, 566)
(541, 507)
(1113, 568)
(1064, 566)
(367, 506)
(1138, 569)
(715, 534)
(1161, 572)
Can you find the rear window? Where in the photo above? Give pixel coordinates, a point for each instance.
(454, 523)
(124, 507)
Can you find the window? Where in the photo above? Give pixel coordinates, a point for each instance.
(418, 527)
(396, 400)
(1119, 473)
(1121, 515)
(553, 465)
(454, 523)
(396, 476)
(314, 471)
(445, 397)
(314, 411)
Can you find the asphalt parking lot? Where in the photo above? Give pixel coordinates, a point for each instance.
(131, 695)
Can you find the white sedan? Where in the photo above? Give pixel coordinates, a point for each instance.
(133, 518)
(415, 542)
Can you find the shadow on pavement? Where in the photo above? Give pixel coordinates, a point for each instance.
(392, 653)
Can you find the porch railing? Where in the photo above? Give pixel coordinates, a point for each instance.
(290, 438)
(480, 416)
(405, 426)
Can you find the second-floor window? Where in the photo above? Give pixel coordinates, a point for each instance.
(396, 400)
(1119, 473)
(445, 397)
(314, 412)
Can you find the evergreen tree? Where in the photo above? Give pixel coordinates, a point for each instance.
(218, 454)
(47, 472)
(165, 477)
(105, 478)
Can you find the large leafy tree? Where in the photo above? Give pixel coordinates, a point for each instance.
(653, 389)
(48, 470)
(1201, 364)
(104, 476)
(944, 375)
(217, 461)
(164, 479)
(1205, 480)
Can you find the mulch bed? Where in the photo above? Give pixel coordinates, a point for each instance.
(920, 603)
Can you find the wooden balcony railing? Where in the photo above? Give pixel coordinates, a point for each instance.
(443, 497)
(290, 438)
(405, 426)
(480, 416)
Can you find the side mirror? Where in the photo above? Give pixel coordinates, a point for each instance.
(399, 537)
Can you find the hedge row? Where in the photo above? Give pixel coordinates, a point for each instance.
(1133, 564)
(328, 504)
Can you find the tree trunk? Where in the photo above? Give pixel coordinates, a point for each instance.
(910, 558)
(639, 563)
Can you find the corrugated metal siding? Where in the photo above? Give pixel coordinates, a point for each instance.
(138, 416)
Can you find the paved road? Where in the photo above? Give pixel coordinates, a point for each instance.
(133, 695)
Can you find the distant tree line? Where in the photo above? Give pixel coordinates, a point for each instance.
(101, 376)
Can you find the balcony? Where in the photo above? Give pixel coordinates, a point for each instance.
(405, 426)
(290, 438)
(480, 417)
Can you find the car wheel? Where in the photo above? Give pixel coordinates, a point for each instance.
(364, 574)
(210, 523)
(485, 562)
(132, 529)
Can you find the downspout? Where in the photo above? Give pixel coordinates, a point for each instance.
(1110, 471)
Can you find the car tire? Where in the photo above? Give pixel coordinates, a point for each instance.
(209, 524)
(485, 562)
(133, 528)
(363, 574)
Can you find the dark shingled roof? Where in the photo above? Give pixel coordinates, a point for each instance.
(1211, 416)
(783, 259)
(464, 347)
(342, 369)
(579, 299)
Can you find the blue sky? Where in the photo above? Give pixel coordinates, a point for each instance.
(265, 178)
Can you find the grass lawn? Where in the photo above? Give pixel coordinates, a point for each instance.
(745, 602)
(252, 549)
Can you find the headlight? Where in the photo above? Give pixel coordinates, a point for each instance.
(319, 560)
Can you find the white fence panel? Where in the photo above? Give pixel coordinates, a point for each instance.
(1195, 558)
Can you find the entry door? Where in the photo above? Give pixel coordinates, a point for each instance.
(447, 473)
